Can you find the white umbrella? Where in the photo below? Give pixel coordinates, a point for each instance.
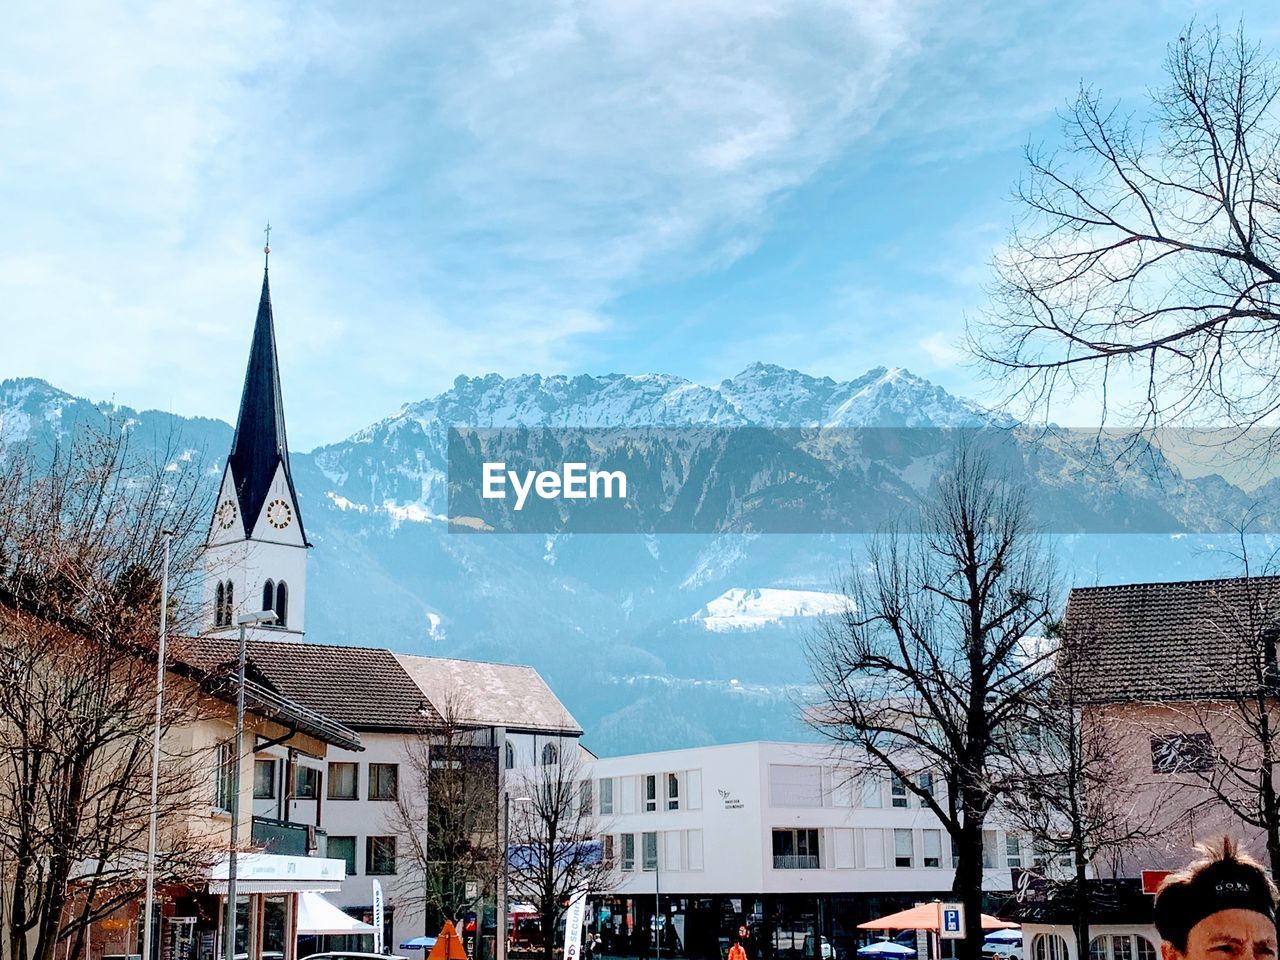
(1004, 936)
(317, 916)
(886, 948)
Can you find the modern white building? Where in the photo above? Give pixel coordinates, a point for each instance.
(780, 838)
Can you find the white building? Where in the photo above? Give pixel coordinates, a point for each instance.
(778, 837)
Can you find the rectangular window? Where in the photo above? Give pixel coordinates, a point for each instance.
(224, 773)
(264, 779)
(796, 850)
(606, 795)
(607, 843)
(898, 791)
(379, 856)
(932, 848)
(343, 781)
(872, 792)
(628, 851)
(306, 783)
(343, 848)
(627, 787)
(1182, 753)
(584, 798)
(650, 792)
(792, 785)
(990, 855)
(384, 781)
(695, 850)
(673, 791)
(1013, 850)
(873, 848)
(649, 844)
(925, 782)
(903, 848)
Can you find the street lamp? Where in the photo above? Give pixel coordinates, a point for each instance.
(155, 750)
(507, 800)
(261, 616)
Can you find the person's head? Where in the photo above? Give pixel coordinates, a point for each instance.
(1220, 908)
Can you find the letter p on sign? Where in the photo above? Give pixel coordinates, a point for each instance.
(951, 921)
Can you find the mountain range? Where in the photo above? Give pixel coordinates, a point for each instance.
(661, 639)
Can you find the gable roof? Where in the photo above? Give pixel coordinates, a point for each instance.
(1183, 640)
(496, 694)
(364, 688)
(260, 444)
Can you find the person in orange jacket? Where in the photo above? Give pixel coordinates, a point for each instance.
(736, 952)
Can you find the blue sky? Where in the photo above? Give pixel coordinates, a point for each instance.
(681, 187)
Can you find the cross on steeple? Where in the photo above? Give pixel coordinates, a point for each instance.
(266, 250)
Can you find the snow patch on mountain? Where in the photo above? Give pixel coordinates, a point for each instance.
(742, 608)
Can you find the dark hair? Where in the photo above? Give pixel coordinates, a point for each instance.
(1224, 879)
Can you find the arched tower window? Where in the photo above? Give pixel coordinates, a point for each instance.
(511, 756)
(282, 604)
(219, 600)
(550, 755)
(268, 596)
(228, 603)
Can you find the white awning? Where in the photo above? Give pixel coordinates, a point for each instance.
(316, 915)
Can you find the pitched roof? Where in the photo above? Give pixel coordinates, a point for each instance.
(494, 694)
(1186, 640)
(364, 688)
(260, 444)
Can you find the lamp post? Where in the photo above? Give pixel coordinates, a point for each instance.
(261, 616)
(505, 846)
(155, 750)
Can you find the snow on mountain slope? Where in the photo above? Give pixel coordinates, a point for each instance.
(752, 608)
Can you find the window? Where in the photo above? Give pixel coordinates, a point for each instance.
(269, 595)
(384, 781)
(1182, 753)
(792, 785)
(379, 856)
(903, 848)
(1049, 946)
(872, 792)
(1013, 850)
(649, 844)
(584, 798)
(306, 783)
(873, 848)
(673, 791)
(650, 793)
(224, 775)
(282, 604)
(898, 791)
(1122, 947)
(510, 756)
(343, 848)
(628, 851)
(932, 848)
(796, 850)
(925, 782)
(219, 598)
(990, 850)
(550, 755)
(223, 604)
(343, 781)
(264, 779)
(607, 843)
(606, 795)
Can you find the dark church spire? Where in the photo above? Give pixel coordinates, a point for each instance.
(260, 445)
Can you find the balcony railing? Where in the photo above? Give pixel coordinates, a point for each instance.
(289, 839)
(796, 862)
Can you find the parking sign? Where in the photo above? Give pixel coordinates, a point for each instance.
(951, 921)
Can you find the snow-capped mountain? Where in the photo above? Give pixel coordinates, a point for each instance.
(607, 618)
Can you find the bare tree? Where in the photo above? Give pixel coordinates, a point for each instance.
(556, 842)
(80, 551)
(1072, 791)
(930, 669)
(446, 815)
(1150, 247)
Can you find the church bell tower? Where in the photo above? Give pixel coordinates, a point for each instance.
(256, 556)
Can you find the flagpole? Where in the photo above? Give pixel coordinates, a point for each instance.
(149, 907)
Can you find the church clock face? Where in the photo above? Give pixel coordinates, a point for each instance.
(226, 514)
(279, 514)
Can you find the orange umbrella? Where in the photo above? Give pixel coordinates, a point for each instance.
(926, 917)
(448, 945)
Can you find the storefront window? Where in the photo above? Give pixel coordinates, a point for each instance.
(275, 924)
(1048, 946)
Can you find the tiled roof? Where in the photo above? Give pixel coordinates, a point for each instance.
(494, 694)
(364, 688)
(1173, 641)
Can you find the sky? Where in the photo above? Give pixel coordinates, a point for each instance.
(681, 187)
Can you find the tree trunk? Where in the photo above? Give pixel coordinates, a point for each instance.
(1082, 906)
(968, 888)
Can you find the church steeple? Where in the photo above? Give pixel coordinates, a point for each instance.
(256, 553)
(260, 447)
